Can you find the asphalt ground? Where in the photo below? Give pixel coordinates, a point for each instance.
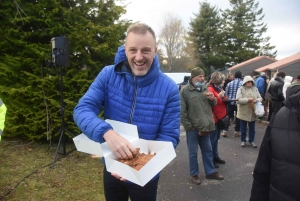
(175, 182)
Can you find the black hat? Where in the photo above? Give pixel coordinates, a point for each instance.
(238, 74)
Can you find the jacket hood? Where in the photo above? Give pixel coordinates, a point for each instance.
(288, 79)
(293, 103)
(122, 67)
(295, 83)
(247, 79)
(121, 55)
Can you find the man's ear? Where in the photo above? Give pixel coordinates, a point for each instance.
(155, 50)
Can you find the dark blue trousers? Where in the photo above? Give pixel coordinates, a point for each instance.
(116, 190)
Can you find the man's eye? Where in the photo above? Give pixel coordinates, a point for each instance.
(146, 51)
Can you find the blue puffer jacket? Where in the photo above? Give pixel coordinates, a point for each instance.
(151, 102)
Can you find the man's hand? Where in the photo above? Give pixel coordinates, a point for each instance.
(121, 147)
(209, 95)
(118, 177)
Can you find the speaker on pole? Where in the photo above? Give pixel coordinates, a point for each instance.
(60, 51)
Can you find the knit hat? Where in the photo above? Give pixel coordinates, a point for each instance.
(216, 78)
(238, 74)
(196, 71)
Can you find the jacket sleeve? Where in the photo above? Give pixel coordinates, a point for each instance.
(239, 97)
(170, 125)
(280, 93)
(184, 112)
(88, 108)
(262, 170)
(258, 96)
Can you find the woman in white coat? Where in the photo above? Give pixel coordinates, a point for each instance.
(247, 95)
(287, 82)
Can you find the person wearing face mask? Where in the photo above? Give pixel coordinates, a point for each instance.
(219, 112)
(133, 91)
(197, 119)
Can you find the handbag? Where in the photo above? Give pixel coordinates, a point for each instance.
(223, 124)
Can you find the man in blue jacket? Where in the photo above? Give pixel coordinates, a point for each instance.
(134, 91)
(261, 84)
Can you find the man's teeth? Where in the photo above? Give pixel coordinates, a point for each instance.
(139, 64)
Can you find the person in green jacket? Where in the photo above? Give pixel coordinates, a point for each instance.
(198, 121)
(2, 116)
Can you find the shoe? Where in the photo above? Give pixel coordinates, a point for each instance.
(196, 180)
(215, 176)
(216, 165)
(253, 145)
(236, 134)
(224, 134)
(243, 144)
(218, 160)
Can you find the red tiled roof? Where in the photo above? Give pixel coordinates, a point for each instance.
(250, 61)
(281, 63)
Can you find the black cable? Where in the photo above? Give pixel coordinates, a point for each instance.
(10, 190)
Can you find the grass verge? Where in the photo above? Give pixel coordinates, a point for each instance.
(26, 173)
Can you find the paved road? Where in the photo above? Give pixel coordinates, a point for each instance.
(175, 183)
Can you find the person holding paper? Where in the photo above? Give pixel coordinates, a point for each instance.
(133, 91)
(198, 121)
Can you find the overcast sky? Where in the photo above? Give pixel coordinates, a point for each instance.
(281, 16)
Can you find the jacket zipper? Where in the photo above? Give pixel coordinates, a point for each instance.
(134, 101)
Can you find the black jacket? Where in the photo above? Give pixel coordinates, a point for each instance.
(275, 90)
(277, 170)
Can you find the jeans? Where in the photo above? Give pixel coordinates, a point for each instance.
(116, 190)
(214, 137)
(193, 139)
(251, 126)
(230, 112)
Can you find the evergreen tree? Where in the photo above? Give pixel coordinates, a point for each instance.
(206, 37)
(30, 91)
(243, 29)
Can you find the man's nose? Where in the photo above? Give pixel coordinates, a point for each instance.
(139, 56)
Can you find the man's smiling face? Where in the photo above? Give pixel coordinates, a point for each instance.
(140, 51)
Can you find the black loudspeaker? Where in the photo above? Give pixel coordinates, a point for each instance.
(60, 51)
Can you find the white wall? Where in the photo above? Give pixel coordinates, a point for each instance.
(177, 77)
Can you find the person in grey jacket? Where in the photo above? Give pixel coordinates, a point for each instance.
(197, 119)
(247, 95)
(276, 92)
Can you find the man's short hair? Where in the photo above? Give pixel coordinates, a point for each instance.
(140, 28)
(281, 74)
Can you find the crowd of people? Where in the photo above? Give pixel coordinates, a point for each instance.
(151, 101)
(134, 90)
